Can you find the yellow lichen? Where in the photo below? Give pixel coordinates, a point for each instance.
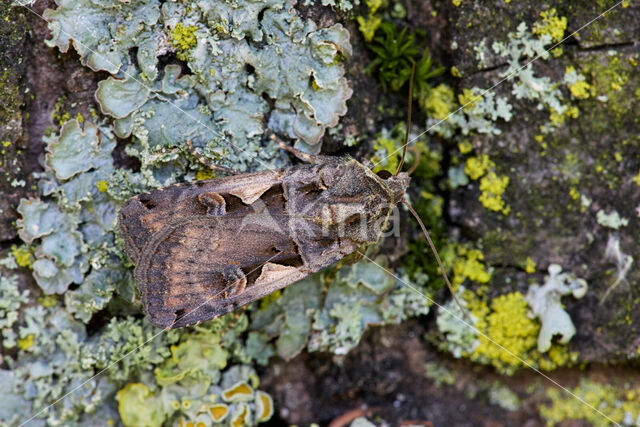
(204, 174)
(493, 187)
(507, 327)
(529, 265)
(468, 99)
(469, 265)
(475, 167)
(388, 161)
(183, 39)
(102, 185)
(26, 342)
(580, 89)
(264, 406)
(241, 418)
(455, 72)
(218, 412)
(577, 84)
(574, 193)
(23, 255)
(80, 118)
(465, 146)
(636, 178)
(439, 102)
(48, 301)
(240, 391)
(559, 118)
(508, 337)
(551, 24)
(456, 3)
(617, 402)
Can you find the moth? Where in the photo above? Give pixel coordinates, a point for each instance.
(205, 248)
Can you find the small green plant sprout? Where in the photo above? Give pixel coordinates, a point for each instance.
(396, 52)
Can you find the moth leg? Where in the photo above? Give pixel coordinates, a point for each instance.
(354, 257)
(235, 280)
(207, 163)
(214, 202)
(309, 158)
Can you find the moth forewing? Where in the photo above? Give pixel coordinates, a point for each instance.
(203, 249)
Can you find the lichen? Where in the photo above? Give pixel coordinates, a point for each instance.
(469, 264)
(234, 52)
(502, 333)
(611, 220)
(620, 403)
(551, 24)
(546, 306)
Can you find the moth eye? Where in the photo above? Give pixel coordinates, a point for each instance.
(147, 203)
(384, 174)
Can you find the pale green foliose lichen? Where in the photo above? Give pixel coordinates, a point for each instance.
(611, 220)
(545, 304)
(356, 296)
(237, 54)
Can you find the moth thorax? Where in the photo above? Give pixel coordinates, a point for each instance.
(398, 185)
(357, 223)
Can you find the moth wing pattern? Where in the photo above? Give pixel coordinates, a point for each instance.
(205, 248)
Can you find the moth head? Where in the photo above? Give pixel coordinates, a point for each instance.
(397, 183)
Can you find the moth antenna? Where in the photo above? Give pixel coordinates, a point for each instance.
(435, 253)
(406, 134)
(207, 163)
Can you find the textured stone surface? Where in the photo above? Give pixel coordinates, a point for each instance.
(597, 154)
(13, 184)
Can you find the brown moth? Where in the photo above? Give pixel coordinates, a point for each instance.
(205, 248)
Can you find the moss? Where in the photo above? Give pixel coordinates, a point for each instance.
(368, 26)
(10, 99)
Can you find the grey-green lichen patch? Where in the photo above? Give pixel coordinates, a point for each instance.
(330, 312)
(546, 306)
(71, 225)
(246, 61)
